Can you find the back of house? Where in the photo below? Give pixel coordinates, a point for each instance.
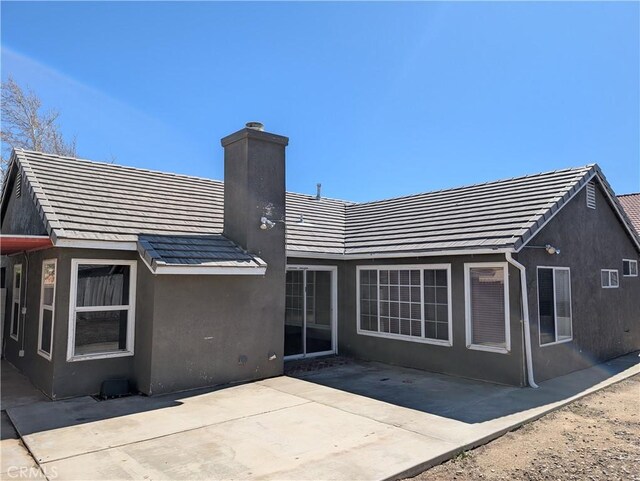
(169, 282)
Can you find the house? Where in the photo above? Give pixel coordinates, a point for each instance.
(175, 282)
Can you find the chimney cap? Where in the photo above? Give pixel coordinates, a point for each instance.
(255, 126)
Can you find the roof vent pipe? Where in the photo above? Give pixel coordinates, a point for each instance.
(318, 191)
(255, 126)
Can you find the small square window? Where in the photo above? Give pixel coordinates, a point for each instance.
(609, 278)
(629, 268)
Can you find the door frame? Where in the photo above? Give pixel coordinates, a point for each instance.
(334, 310)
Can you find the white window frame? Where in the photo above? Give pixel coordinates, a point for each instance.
(555, 320)
(51, 308)
(404, 337)
(609, 271)
(73, 309)
(631, 263)
(334, 309)
(16, 300)
(467, 302)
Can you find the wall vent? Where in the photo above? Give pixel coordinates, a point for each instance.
(591, 195)
(19, 184)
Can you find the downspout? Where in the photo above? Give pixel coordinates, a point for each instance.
(525, 315)
(23, 299)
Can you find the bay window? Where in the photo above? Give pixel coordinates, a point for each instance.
(102, 309)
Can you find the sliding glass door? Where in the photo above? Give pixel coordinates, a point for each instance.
(309, 312)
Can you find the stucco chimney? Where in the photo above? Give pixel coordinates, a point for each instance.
(254, 187)
(254, 178)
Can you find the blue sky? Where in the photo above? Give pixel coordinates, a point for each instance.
(378, 99)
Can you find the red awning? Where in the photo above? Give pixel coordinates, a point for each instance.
(10, 244)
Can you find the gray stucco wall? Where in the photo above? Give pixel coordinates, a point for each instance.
(456, 360)
(20, 216)
(190, 331)
(212, 330)
(606, 322)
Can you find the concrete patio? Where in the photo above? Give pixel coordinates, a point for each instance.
(357, 421)
(16, 391)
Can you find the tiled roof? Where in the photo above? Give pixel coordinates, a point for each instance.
(498, 214)
(631, 205)
(84, 200)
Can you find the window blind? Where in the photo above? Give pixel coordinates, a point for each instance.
(487, 306)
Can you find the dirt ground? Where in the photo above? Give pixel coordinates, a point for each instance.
(594, 438)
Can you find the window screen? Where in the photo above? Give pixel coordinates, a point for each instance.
(487, 306)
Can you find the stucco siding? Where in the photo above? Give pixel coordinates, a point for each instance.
(605, 322)
(211, 330)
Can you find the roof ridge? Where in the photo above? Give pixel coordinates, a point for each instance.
(120, 166)
(346, 202)
(154, 171)
(467, 186)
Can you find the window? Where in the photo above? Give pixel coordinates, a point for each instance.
(629, 268)
(15, 301)
(47, 307)
(554, 305)
(591, 195)
(406, 302)
(102, 309)
(487, 307)
(609, 278)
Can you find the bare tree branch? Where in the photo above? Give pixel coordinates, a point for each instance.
(26, 126)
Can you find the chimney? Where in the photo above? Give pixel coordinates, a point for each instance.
(254, 187)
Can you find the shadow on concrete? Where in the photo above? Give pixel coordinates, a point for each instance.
(16, 390)
(455, 398)
(32, 412)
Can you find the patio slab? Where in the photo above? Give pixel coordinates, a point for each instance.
(333, 424)
(15, 460)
